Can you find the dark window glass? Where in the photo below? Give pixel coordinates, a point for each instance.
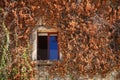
(42, 48)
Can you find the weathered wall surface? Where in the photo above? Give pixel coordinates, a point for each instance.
(44, 75)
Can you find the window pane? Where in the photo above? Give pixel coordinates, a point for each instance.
(42, 48)
(53, 48)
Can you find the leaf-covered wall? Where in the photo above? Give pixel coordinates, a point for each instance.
(88, 31)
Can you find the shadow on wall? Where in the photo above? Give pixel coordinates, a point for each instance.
(115, 43)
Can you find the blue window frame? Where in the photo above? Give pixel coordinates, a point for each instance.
(53, 48)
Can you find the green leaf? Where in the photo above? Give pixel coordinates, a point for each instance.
(1, 9)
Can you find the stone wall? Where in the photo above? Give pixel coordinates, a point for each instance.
(43, 74)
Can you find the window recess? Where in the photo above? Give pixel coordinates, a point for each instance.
(47, 46)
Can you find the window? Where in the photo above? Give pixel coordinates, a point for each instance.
(47, 46)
